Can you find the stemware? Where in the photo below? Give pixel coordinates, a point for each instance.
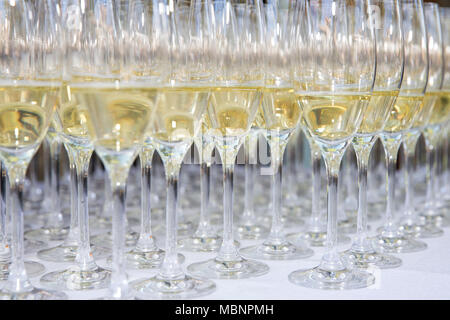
(231, 111)
(280, 116)
(390, 64)
(410, 221)
(30, 77)
(180, 105)
(408, 105)
(334, 93)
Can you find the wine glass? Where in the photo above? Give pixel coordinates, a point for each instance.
(180, 105)
(334, 96)
(231, 111)
(407, 107)
(390, 63)
(435, 105)
(280, 114)
(30, 78)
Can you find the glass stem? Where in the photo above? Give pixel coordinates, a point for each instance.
(248, 216)
(145, 242)
(391, 145)
(277, 147)
(18, 279)
(316, 221)
(170, 268)
(409, 146)
(73, 235)
(55, 216)
(84, 255)
(430, 156)
(204, 223)
(119, 282)
(331, 260)
(362, 145)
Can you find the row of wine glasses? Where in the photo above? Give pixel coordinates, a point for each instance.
(127, 78)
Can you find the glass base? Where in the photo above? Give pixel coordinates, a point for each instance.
(347, 226)
(138, 259)
(31, 246)
(281, 250)
(33, 269)
(68, 253)
(75, 279)
(364, 260)
(438, 220)
(421, 231)
(314, 239)
(102, 223)
(217, 269)
(159, 288)
(318, 278)
(185, 228)
(105, 240)
(397, 244)
(252, 232)
(200, 244)
(48, 234)
(32, 294)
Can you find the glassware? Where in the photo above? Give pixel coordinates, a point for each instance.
(231, 111)
(180, 105)
(29, 95)
(279, 117)
(408, 105)
(333, 106)
(410, 222)
(388, 79)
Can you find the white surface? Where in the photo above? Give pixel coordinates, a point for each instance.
(423, 275)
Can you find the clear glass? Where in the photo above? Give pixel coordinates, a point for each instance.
(34, 98)
(340, 101)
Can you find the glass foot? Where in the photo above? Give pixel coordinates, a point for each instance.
(75, 279)
(282, 250)
(319, 278)
(200, 244)
(32, 294)
(364, 260)
(138, 259)
(421, 231)
(252, 232)
(33, 269)
(438, 220)
(397, 244)
(185, 228)
(48, 234)
(105, 240)
(314, 239)
(31, 246)
(217, 269)
(68, 253)
(347, 226)
(160, 288)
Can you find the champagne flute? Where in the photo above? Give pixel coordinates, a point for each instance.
(180, 104)
(390, 63)
(232, 110)
(408, 105)
(280, 114)
(334, 98)
(410, 221)
(432, 212)
(30, 79)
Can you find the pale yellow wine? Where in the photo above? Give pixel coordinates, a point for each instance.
(117, 118)
(333, 117)
(403, 114)
(280, 109)
(25, 114)
(423, 114)
(232, 110)
(179, 113)
(377, 111)
(441, 111)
